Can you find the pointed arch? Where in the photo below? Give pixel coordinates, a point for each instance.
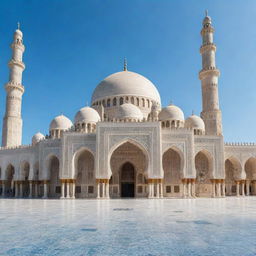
(9, 180)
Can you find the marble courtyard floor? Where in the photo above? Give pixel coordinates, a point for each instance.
(181, 227)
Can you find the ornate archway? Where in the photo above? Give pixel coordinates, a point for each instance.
(204, 173)
(128, 158)
(54, 180)
(250, 171)
(172, 166)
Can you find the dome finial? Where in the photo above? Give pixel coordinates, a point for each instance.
(206, 12)
(125, 64)
(18, 24)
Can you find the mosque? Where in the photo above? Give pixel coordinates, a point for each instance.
(126, 144)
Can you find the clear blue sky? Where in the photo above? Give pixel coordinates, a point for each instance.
(71, 45)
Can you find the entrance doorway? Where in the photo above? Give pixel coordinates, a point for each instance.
(127, 180)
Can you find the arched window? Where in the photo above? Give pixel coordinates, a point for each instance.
(143, 102)
(108, 103)
(103, 103)
(168, 124)
(114, 102)
(126, 99)
(121, 101)
(138, 101)
(148, 103)
(132, 100)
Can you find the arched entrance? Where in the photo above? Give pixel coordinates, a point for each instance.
(9, 185)
(250, 171)
(84, 174)
(172, 166)
(128, 163)
(24, 177)
(127, 180)
(54, 182)
(233, 171)
(203, 165)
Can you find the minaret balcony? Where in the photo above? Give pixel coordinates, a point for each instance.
(209, 71)
(208, 47)
(13, 62)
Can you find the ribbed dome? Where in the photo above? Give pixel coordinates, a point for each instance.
(171, 112)
(87, 115)
(129, 111)
(60, 122)
(195, 122)
(126, 83)
(37, 137)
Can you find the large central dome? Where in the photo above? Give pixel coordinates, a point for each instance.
(126, 83)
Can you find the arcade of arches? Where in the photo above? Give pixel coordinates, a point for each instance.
(128, 164)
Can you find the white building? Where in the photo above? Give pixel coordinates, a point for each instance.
(125, 144)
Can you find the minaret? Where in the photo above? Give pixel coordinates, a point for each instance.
(209, 75)
(12, 124)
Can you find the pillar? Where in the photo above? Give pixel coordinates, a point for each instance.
(68, 189)
(218, 188)
(16, 189)
(45, 189)
(149, 190)
(30, 188)
(189, 188)
(21, 189)
(161, 189)
(103, 190)
(107, 189)
(184, 188)
(98, 188)
(73, 186)
(237, 188)
(36, 188)
(213, 188)
(3, 188)
(247, 187)
(62, 189)
(193, 187)
(242, 187)
(223, 186)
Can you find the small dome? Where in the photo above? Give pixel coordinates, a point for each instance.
(61, 123)
(195, 122)
(18, 32)
(171, 112)
(126, 83)
(207, 20)
(87, 115)
(129, 111)
(37, 137)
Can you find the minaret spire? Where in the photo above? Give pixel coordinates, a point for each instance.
(125, 64)
(12, 124)
(18, 25)
(211, 113)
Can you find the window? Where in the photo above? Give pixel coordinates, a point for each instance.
(114, 102)
(57, 190)
(233, 189)
(132, 100)
(138, 101)
(176, 189)
(148, 103)
(143, 102)
(78, 189)
(121, 101)
(90, 189)
(168, 189)
(108, 103)
(140, 189)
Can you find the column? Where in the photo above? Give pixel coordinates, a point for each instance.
(193, 187)
(45, 196)
(3, 188)
(30, 188)
(107, 189)
(161, 189)
(16, 189)
(247, 187)
(157, 189)
(103, 190)
(21, 189)
(184, 188)
(36, 188)
(73, 189)
(98, 188)
(237, 188)
(189, 188)
(223, 188)
(149, 190)
(62, 189)
(68, 189)
(242, 187)
(218, 188)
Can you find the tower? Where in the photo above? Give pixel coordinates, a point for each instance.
(209, 75)
(12, 123)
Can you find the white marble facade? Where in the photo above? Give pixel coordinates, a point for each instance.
(126, 144)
